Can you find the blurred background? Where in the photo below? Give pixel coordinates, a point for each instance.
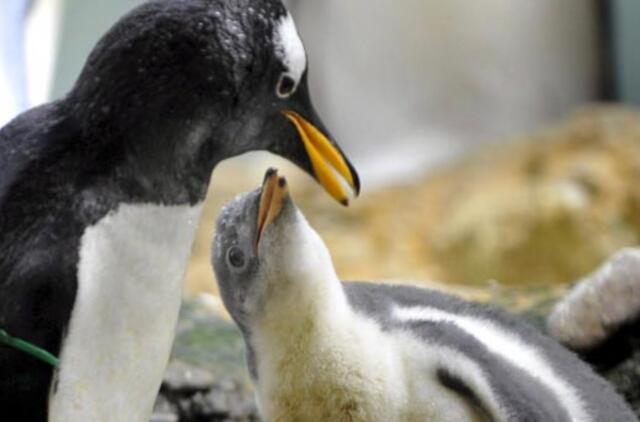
(498, 141)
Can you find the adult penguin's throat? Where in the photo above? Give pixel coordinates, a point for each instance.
(328, 162)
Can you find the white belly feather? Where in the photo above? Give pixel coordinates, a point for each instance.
(130, 274)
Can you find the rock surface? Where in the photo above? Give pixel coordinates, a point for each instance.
(625, 376)
(223, 400)
(206, 379)
(600, 304)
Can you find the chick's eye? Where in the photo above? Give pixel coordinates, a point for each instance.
(235, 257)
(286, 86)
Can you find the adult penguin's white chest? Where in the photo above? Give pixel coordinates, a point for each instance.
(130, 272)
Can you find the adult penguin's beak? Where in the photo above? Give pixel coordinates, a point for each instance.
(330, 166)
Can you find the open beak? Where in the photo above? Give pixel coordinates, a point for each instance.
(327, 160)
(274, 193)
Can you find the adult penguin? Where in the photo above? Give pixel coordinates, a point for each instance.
(101, 191)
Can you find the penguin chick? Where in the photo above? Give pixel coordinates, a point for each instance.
(322, 350)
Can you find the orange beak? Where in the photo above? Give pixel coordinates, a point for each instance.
(274, 192)
(326, 159)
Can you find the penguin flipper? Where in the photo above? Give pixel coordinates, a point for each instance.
(497, 390)
(508, 401)
(467, 394)
(35, 304)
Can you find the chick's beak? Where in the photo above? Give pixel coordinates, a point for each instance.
(274, 192)
(328, 162)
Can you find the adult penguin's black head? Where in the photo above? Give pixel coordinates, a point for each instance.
(187, 83)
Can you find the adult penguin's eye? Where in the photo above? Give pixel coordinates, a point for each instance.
(286, 86)
(235, 257)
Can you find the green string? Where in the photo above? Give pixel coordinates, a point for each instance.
(28, 348)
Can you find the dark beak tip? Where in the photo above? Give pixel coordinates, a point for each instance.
(269, 173)
(356, 179)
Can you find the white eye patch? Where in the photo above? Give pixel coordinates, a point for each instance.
(290, 51)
